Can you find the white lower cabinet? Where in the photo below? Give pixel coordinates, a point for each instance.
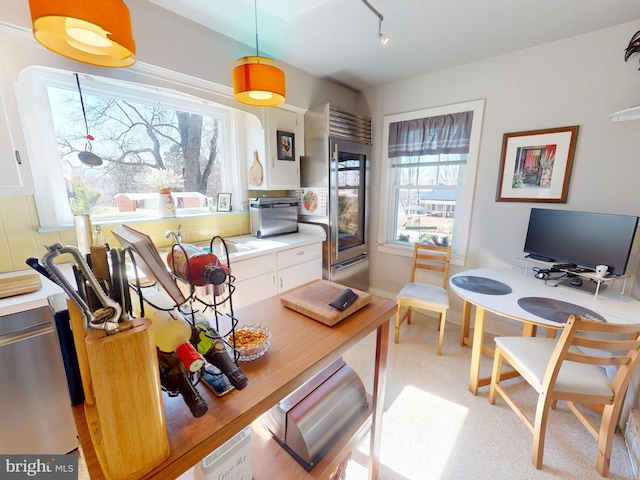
(300, 274)
(266, 275)
(254, 289)
(299, 265)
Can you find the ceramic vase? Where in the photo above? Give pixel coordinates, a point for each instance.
(166, 204)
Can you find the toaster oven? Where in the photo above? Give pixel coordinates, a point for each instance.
(273, 216)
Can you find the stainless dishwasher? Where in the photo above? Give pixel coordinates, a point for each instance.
(35, 408)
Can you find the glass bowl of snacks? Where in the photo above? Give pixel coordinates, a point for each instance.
(252, 341)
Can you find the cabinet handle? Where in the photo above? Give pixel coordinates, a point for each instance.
(281, 282)
(301, 252)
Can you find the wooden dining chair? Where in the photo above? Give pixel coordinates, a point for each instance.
(569, 368)
(425, 296)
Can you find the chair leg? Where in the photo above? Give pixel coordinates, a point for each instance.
(408, 315)
(495, 375)
(540, 429)
(443, 320)
(605, 437)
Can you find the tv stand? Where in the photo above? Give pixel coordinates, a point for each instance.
(540, 258)
(573, 270)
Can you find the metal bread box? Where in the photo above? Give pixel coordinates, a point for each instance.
(309, 421)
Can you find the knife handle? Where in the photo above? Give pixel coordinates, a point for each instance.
(99, 262)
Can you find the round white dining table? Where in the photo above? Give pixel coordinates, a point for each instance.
(515, 293)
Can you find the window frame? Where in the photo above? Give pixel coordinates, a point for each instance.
(465, 192)
(35, 115)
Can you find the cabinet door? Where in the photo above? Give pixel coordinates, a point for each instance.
(254, 290)
(10, 178)
(282, 174)
(299, 274)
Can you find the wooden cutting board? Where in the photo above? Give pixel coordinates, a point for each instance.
(255, 171)
(312, 300)
(20, 284)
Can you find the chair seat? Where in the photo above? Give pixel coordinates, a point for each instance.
(423, 292)
(533, 356)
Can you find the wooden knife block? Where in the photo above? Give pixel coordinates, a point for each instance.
(127, 421)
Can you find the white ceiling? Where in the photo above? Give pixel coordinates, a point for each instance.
(338, 39)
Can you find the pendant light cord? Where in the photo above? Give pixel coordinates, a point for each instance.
(84, 115)
(255, 13)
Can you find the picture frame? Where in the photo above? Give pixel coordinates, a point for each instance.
(285, 142)
(224, 202)
(536, 165)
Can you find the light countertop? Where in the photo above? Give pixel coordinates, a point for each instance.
(254, 247)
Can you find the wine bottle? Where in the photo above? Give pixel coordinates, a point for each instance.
(175, 381)
(171, 332)
(196, 266)
(175, 336)
(214, 349)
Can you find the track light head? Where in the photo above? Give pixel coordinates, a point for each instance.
(383, 38)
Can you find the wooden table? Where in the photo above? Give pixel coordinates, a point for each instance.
(300, 348)
(610, 304)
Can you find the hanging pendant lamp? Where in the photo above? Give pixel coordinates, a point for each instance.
(97, 32)
(257, 80)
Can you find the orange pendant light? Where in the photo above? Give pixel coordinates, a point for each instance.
(257, 81)
(97, 32)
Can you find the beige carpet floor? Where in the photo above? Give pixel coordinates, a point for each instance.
(434, 428)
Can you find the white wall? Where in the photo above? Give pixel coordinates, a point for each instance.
(578, 81)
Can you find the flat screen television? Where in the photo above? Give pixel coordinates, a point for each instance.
(583, 239)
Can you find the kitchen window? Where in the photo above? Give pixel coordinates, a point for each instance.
(430, 158)
(135, 129)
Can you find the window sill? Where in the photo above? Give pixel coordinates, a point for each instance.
(141, 219)
(408, 252)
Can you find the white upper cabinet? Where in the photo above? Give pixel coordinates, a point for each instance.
(10, 180)
(273, 162)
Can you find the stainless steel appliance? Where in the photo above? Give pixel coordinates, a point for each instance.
(308, 421)
(36, 414)
(334, 178)
(273, 216)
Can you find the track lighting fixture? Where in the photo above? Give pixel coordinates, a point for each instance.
(383, 38)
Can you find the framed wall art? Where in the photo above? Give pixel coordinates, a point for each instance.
(286, 147)
(536, 165)
(224, 202)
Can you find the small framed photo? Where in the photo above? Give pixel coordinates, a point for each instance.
(536, 165)
(286, 147)
(224, 202)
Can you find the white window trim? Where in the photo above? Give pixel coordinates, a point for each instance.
(34, 107)
(465, 199)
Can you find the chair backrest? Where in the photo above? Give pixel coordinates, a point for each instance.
(431, 257)
(600, 343)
